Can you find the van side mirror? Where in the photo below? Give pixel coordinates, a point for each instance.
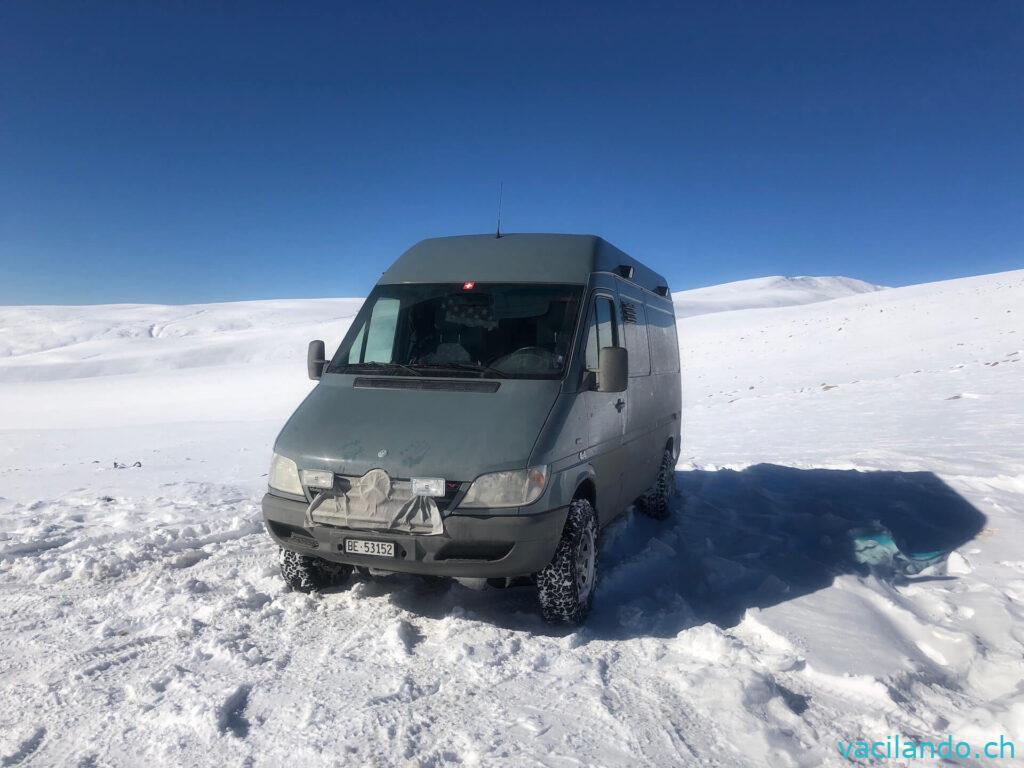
(613, 369)
(315, 359)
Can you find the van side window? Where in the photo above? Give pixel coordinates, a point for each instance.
(664, 344)
(634, 328)
(603, 331)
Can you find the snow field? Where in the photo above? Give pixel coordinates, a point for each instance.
(144, 620)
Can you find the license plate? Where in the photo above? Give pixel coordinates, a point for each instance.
(375, 548)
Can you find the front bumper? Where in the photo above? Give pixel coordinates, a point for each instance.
(472, 546)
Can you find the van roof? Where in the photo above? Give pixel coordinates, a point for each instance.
(515, 258)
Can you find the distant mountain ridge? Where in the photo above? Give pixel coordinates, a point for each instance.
(761, 292)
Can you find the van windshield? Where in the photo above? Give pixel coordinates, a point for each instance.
(486, 330)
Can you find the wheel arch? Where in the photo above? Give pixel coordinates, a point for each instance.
(586, 489)
(578, 482)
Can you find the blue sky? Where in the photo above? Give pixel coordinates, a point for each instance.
(188, 151)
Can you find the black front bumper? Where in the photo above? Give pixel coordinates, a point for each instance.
(472, 546)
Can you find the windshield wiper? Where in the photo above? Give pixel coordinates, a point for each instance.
(474, 367)
(386, 367)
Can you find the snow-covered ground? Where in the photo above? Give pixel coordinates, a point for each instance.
(142, 620)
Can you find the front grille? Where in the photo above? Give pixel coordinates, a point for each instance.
(452, 488)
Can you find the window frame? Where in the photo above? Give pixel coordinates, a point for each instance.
(592, 324)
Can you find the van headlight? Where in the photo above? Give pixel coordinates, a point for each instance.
(515, 488)
(284, 475)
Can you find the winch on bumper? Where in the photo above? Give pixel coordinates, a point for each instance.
(477, 545)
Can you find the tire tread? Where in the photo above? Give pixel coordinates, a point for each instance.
(306, 573)
(557, 589)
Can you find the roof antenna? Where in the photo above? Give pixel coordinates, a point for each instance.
(501, 187)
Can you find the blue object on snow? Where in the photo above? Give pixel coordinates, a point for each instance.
(876, 548)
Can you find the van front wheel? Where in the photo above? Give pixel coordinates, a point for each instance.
(654, 503)
(566, 585)
(305, 573)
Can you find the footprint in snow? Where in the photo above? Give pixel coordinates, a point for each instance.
(231, 714)
(25, 748)
(403, 637)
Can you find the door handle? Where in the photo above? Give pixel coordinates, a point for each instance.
(620, 404)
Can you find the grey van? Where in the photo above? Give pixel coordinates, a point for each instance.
(494, 404)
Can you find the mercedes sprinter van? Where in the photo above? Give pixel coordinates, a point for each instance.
(494, 404)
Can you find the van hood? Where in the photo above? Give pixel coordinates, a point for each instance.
(457, 435)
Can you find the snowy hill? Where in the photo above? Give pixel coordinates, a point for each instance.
(52, 342)
(739, 632)
(761, 292)
(149, 363)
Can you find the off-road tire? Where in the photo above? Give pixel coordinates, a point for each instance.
(305, 573)
(655, 503)
(563, 598)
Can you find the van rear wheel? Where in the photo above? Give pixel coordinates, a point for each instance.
(305, 573)
(655, 503)
(565, 587)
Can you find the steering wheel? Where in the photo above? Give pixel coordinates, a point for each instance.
(539, 353)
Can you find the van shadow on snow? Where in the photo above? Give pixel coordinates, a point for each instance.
(736, 540)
